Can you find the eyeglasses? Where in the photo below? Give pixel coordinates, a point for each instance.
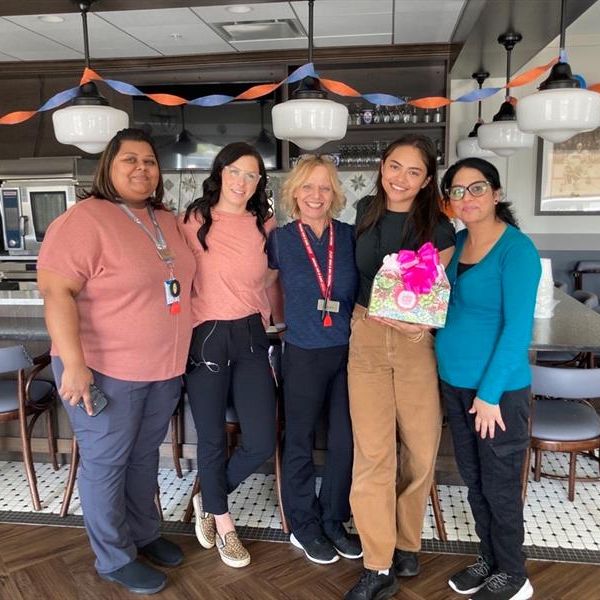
(249, 176)
(476, 189)
(331, 158)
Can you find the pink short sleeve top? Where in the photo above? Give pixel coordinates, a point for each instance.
(126, 329)
(230, 280)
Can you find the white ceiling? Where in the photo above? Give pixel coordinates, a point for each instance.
(179, 31)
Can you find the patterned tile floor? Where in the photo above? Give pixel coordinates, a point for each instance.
(556, 529)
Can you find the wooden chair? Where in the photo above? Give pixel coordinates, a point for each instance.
(562, 421)
(24, 399)
(177, 428)
(437, 512)
(583, 267)
(232, 429)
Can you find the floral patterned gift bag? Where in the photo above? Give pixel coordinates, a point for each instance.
(412, 287)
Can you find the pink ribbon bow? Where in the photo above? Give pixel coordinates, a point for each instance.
(419, 269)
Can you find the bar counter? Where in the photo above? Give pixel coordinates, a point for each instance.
(573, 327)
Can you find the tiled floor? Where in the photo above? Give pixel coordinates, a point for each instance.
(555, 528)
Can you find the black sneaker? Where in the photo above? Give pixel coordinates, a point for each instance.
(162, 552)
(502, 586)
(138, 578)
(374, 586)
(471, 579)
(406, 564)
(320, 550)
(345, 545)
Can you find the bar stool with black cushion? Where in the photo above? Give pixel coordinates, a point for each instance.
(583, 267)
(176, 448)
(233, 429)
(562, 418)
(25, 399)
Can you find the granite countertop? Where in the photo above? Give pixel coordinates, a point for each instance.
(572, 327)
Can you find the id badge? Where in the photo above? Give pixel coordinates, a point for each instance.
(172, 291)
(333, 306)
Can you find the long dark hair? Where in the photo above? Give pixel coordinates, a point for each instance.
(257, 205)
(425, 212)
(490, 173)
(103, 187)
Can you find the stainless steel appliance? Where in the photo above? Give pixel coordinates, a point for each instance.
(34, 191)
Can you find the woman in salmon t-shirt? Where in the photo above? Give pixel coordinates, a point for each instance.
(227, 230)
(104, 270)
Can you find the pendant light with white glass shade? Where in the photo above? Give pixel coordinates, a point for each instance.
(89, 122)
(469, 147)
(561, 109)
(503, 136)
(309, 120)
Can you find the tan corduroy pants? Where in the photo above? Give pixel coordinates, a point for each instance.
(393, 384)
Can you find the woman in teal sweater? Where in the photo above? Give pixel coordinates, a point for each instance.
(484, 371)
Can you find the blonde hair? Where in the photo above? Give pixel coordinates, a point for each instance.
(299, 174)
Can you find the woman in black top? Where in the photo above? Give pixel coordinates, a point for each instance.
(392, 373)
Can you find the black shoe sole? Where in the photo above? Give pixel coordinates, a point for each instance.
(132, 589)
(319, 561)
(407, 572)
(388, 592)
(157, 561)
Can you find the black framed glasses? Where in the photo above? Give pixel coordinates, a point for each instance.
(476, 189)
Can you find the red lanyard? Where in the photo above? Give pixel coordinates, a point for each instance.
(325, 287)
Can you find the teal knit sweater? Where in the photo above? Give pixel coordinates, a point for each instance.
(490, 318)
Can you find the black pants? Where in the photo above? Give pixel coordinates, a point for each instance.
(491, 469)
(315, 381)
(229, 362)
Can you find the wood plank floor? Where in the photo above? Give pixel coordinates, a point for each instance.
(56, 563)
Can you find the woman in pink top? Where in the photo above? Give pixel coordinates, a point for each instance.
(227, 230)
(116, 278)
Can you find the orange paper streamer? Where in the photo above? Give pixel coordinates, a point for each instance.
(89, 75)
(17, 117)
(339, 87)
(531, 75)
(257, 91)
(430, 102)
(167, 99)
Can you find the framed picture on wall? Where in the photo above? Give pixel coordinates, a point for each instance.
(568, 176)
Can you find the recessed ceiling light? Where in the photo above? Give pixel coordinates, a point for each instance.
(51, 18)
(239, 9)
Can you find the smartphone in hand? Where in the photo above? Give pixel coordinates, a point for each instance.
(99, 401)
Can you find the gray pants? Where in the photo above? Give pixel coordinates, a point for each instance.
(117, 476)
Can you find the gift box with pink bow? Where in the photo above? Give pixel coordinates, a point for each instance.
(413, 287)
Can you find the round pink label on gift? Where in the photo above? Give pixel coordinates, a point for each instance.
(406, 299)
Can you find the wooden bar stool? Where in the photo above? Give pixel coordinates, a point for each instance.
(562, 420)
(25, 399)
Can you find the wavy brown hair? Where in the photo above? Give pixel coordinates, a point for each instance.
(257, 205)
(103, 188)
(425, 212)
